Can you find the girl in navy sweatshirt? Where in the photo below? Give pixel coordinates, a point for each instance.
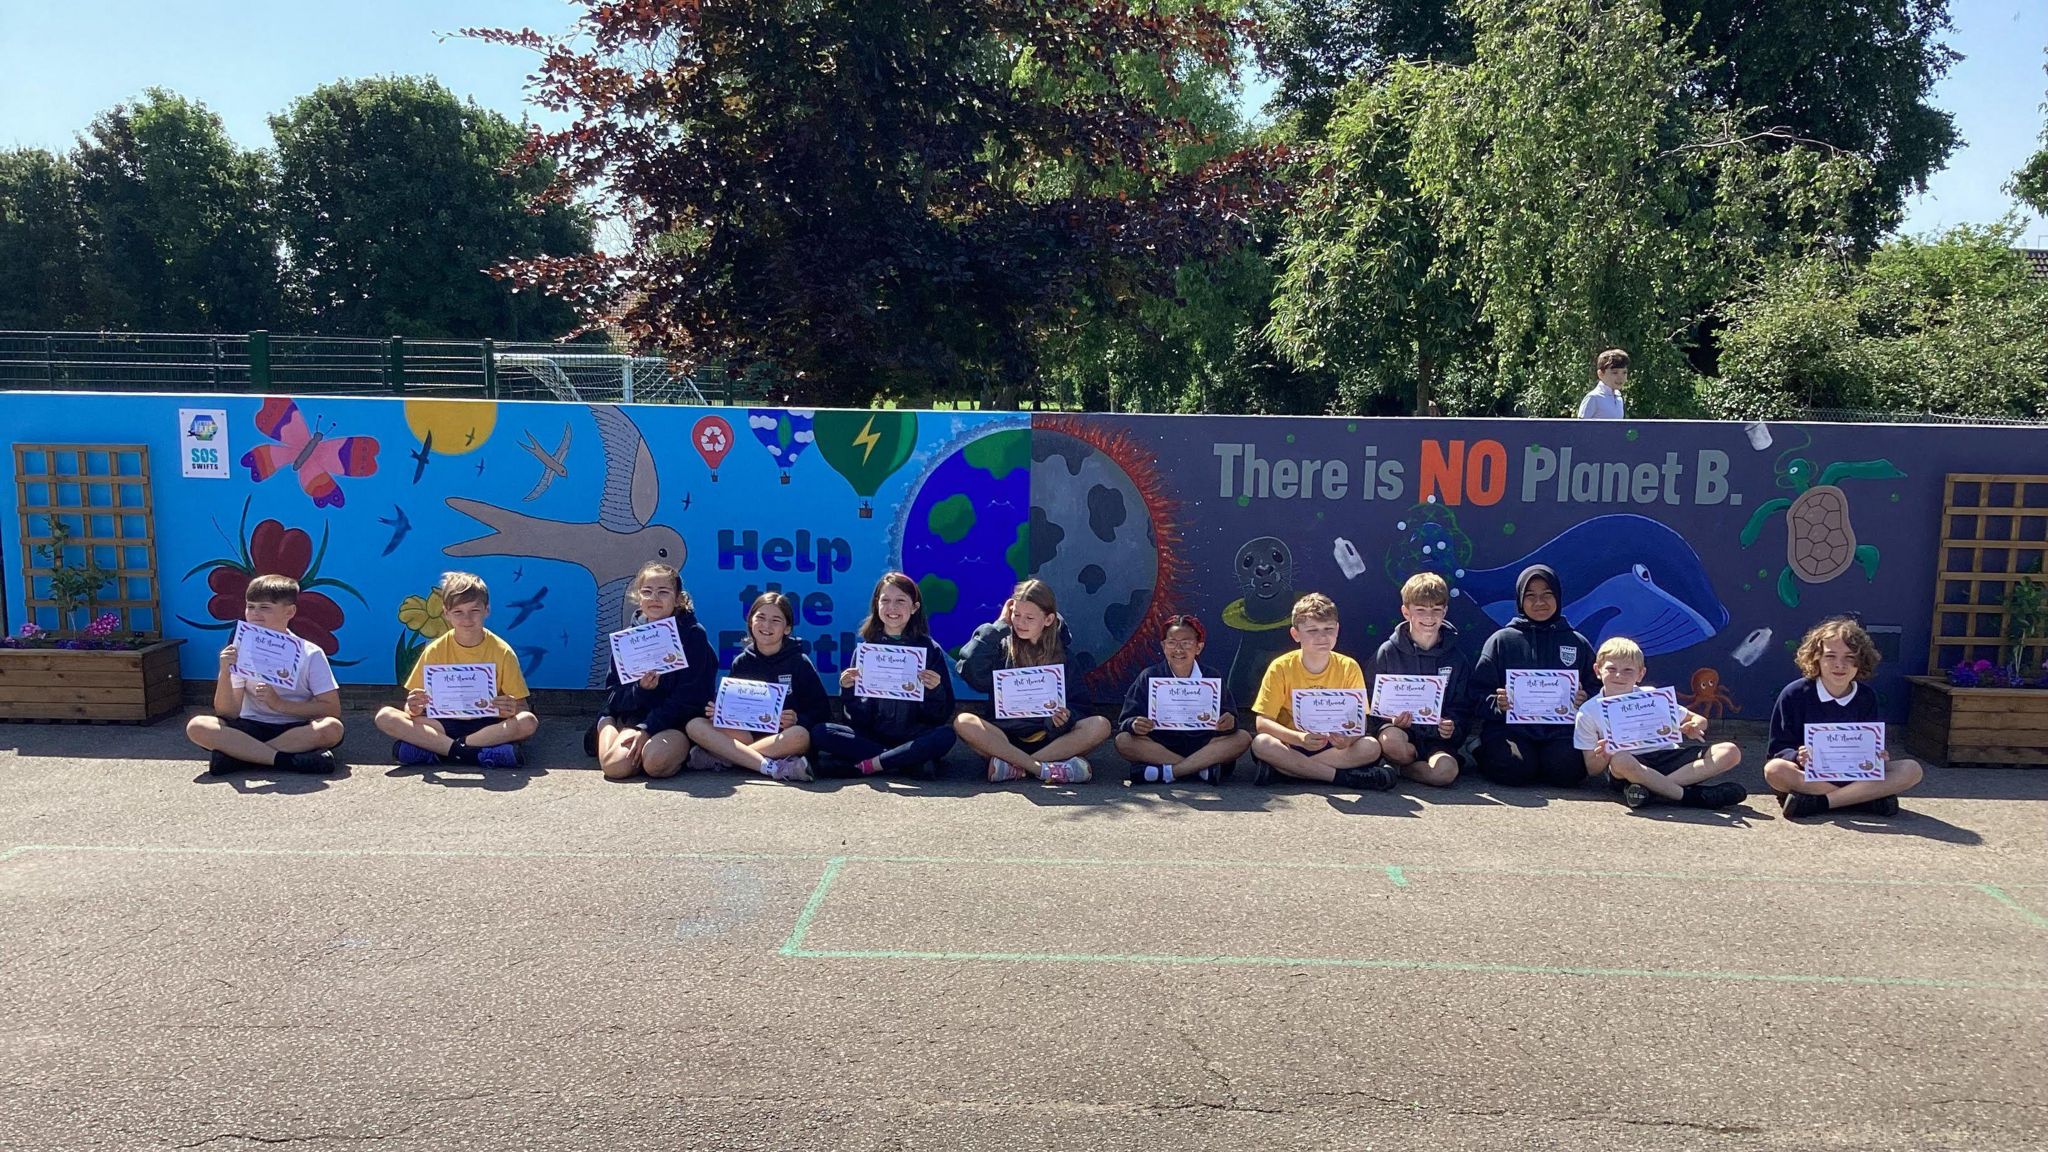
(1029, 634)
(883, 734)
(642, 724)
(1539, 637)
(1836, 660)
(771, 656)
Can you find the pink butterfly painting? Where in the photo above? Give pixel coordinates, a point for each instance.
(319, 460)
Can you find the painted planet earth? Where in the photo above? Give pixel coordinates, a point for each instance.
(1091, 538)
(964, 535)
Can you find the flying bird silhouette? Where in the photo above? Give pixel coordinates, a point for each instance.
(420, 457)
(552, 464)
(399, 526)
(528, 607)
(611, 548)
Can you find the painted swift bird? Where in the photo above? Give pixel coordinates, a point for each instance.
(552, 464)
(399, 526)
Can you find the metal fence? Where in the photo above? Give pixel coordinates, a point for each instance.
(264, 362)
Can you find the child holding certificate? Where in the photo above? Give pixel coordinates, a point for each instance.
(490, 735)
(1029, 634)
(1196, 736)
(904, 724)
(1303, 749)
(641, 728)
(1662, 751)
(1524, 747)
(1424, 644)
(1836, 660)
(260, 723)
(771, 656)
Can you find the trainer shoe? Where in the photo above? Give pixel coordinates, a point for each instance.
(1070, 771)
(1371, 778)
(700, 760)
(412, 755)
(1001, 771)
(789, 769)
(1800, 805)
(1720, 794)
(1634, 795)
(1882, 806)
(312, 763)
(1262, 773)
(1145, 774)
(220, 764)
(498, 756)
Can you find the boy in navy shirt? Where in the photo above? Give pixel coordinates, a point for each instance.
(1837, 659)
(1424, 644)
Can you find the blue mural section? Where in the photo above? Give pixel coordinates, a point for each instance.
(1713, 545)
(367, 501)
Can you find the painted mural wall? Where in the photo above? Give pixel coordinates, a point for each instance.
(1712, 545)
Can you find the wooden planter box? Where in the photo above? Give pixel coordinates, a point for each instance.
(1954, 725)
(56, 684)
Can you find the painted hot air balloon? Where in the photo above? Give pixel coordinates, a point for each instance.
(866, 447)
(713, 439)
(784, 432)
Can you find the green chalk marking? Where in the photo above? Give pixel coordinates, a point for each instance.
(2005, 898)
(1397, 876)
(1325, 962)
(791, 946)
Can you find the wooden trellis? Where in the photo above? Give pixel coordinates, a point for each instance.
(1994, 529)
(101, 493)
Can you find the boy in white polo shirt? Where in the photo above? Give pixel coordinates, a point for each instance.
(257, 726)
(1605, 401)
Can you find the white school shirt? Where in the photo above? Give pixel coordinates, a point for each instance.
(1602, 403)
(314, 678)
(1820, 688)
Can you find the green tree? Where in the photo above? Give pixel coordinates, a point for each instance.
(177, 221)
(42, 242)
(1954, 325)
(1561, 193)
(2030, 183)
(887, 197)
(1854, 74)
(397, 200)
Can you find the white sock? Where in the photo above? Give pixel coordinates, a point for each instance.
(1166, 773)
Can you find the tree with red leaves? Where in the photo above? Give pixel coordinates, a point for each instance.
(883, 197)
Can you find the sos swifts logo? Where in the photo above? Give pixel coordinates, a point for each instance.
(203, 443)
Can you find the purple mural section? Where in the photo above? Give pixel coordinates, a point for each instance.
(1713, 545)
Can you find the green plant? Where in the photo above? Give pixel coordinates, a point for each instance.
(2026, 619)
(69, 585)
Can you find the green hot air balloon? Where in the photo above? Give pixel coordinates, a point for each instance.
(866, 447)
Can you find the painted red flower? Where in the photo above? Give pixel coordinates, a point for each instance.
(275, 550)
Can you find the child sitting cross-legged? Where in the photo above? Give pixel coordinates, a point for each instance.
(1675, 775)
(1324, 757)
(1159, 756)
(256, 726)
(485, 741)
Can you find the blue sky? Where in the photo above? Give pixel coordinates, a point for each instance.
(245, 60)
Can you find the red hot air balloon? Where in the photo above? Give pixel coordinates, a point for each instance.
(713, 438)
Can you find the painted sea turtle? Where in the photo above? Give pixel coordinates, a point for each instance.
(1820, 543)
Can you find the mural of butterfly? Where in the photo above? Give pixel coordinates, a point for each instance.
(321, 461)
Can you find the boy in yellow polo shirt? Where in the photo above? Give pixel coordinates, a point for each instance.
(489, 741)
(1349, 761)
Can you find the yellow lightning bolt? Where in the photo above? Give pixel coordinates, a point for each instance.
(869, 438)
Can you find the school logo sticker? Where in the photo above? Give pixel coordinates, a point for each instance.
(1568, 654)
(203, 443)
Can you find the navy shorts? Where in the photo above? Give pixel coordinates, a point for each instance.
(262, 730)
(463, 727)
(1664, 761)
(1185, 744)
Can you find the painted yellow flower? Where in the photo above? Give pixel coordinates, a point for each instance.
(424, 616)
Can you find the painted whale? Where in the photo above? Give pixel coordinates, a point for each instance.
(1626, 576)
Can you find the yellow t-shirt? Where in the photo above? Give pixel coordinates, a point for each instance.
(490, 650)
(1285, 674)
